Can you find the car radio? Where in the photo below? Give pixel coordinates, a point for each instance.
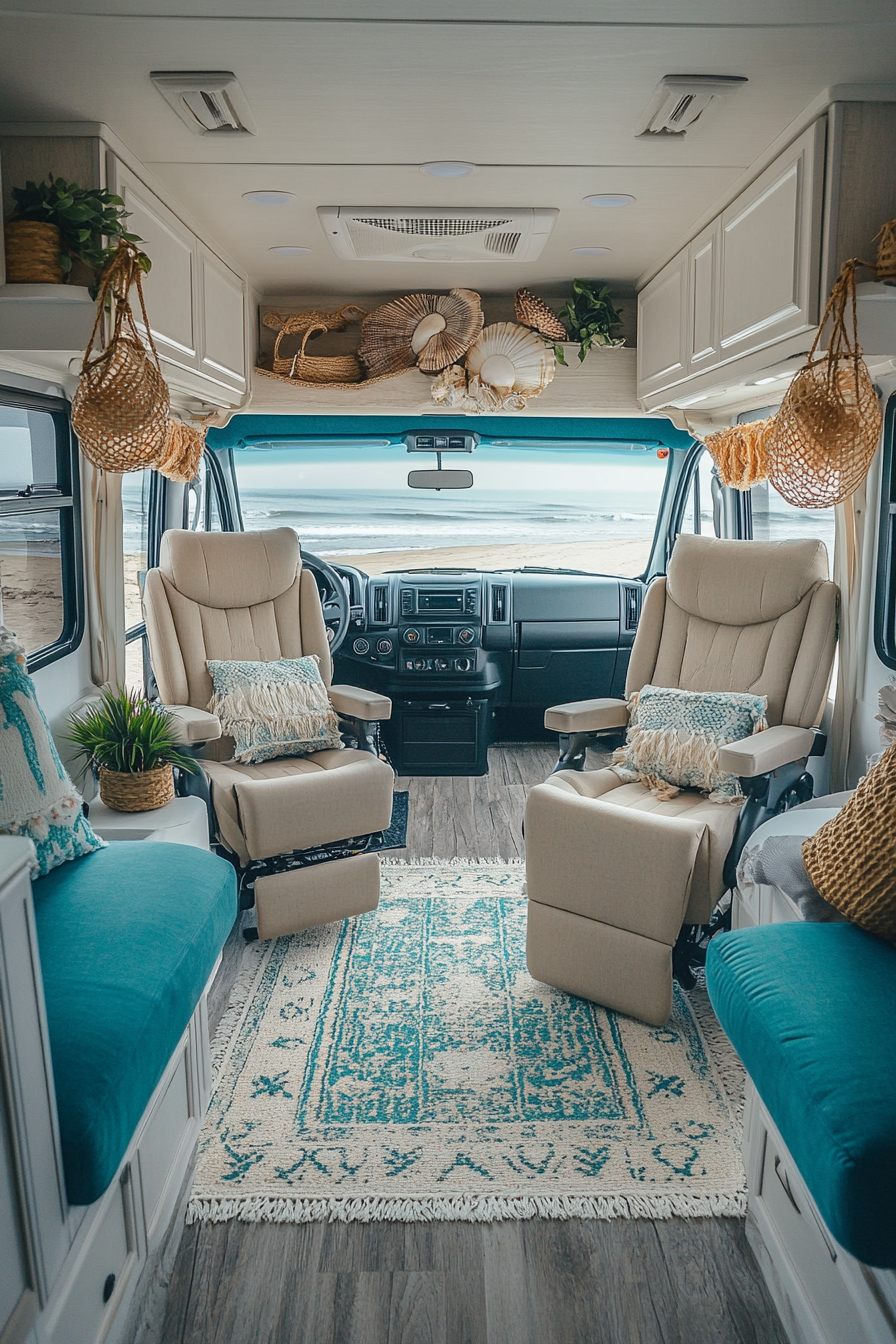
(417, 601)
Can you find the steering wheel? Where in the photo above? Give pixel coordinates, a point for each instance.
(333, 598)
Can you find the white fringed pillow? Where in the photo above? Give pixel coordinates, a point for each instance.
(273, 709)
(674, 738)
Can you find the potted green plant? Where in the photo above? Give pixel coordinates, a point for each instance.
(133, 745)
(589, 317)
(55, 224)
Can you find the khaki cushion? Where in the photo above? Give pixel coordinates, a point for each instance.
(200, 565)
(743, 582)
(299, 802)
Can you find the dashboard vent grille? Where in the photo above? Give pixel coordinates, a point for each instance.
(381, 603)
(499, 602)
(632, 601)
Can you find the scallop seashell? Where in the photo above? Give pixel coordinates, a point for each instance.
(510, 359)
(431, 331)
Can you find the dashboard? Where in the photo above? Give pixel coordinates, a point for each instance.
(528, 638)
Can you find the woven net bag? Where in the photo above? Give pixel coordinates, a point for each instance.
(120, 408)
(828, 427)
(741, 453)
(297, 325)
(184, 446)
(852, 859)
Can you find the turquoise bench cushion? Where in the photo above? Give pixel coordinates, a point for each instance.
(811, 1010)
(128, 938)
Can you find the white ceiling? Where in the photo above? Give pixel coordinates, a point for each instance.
(351, 95)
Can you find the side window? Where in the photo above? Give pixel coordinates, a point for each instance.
(40, 551)
(773, 519)
(700, 510)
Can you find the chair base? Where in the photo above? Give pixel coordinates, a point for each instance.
(305, 897)
(618, 969)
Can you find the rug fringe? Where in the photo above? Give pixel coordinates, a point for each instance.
(452, 863)
(719, 1049)
(465, 1208)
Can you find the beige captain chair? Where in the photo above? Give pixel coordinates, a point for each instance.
(612, 872)
(246, 596)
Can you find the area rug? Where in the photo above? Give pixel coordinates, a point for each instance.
(405, 1066)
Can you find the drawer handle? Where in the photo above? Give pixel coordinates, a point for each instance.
(785, 1185)
(108, 1288)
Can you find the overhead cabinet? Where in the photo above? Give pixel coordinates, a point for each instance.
(747, 292)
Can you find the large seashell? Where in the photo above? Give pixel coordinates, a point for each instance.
(533, 312)
(510, 359)
(429, 330)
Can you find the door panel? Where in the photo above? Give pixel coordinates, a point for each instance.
(223, 321)
(662, 328)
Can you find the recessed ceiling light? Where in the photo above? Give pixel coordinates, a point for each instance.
(269, 197)
(608, 201)
(288, 251)
(448, 168)
(589, 251)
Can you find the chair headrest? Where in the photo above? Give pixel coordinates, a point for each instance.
(743, 582)
(231, 569)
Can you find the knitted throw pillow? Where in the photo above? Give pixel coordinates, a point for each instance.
(273, 709)
(852, 859)
(674, 738)
(37, 798)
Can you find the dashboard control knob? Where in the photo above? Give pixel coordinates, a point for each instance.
(412, 636)
(419, 664)
(361, 646)
(441, 664)
(466, 636)
(463, 664)
(384, 646)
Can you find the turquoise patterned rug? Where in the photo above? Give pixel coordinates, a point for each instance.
(405, 1066)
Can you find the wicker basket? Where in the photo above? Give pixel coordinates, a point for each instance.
(297, 324)
(142, 792)
(319, 369)
(32, 253)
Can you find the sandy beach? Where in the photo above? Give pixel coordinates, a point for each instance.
(626, 558)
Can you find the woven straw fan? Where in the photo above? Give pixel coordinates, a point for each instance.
(429, 331)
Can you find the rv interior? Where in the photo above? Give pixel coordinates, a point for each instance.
(447, 655)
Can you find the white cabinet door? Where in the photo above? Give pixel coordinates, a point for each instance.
(703, 307)
(770, 259)
(170, 287)
(662, 328)
(222, 321)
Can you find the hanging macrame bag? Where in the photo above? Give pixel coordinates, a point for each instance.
(184, 446)
(120, 408)
(740, 453)
(828, 427)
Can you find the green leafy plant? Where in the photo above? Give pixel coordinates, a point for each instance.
(589, 317)
(125, 732)
(85, 218)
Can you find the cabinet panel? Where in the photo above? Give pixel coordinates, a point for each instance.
(703, 263)
(223, 349)
(662, 327)
(98, 1280)
(169, 286)
(770, 258)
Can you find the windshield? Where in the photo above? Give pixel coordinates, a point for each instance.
(561, 507)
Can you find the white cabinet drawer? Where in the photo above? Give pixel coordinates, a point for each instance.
(97, 1277)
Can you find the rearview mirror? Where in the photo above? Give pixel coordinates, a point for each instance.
(440, 480)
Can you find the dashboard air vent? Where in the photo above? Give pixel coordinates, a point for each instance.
(632, 605)
(381, 604)
(498, 605)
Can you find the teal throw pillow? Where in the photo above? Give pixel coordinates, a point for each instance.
(273, 709)
(674, 738)
(37, 798)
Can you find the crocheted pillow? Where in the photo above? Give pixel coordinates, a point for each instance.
(852, 858)
(674, 737)
(37, 798)
(273, 709)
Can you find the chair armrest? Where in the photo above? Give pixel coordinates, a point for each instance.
(586, 716)
(194, 726)
(763, 752)
(357, 704)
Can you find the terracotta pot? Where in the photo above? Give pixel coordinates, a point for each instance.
(32, 253)
(141, 792)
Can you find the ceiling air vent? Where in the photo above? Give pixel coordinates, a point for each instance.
(423, 233)
(211, 102)
(679, 101)
(632, 604)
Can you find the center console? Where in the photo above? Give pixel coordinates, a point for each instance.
(439, 629)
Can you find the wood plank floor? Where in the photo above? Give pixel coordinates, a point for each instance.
(684, 1281)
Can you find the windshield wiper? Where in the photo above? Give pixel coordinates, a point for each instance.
(546, 569)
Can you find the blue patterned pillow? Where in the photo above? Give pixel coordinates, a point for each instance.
(674, 738)
(37, 798)
(273, 709)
